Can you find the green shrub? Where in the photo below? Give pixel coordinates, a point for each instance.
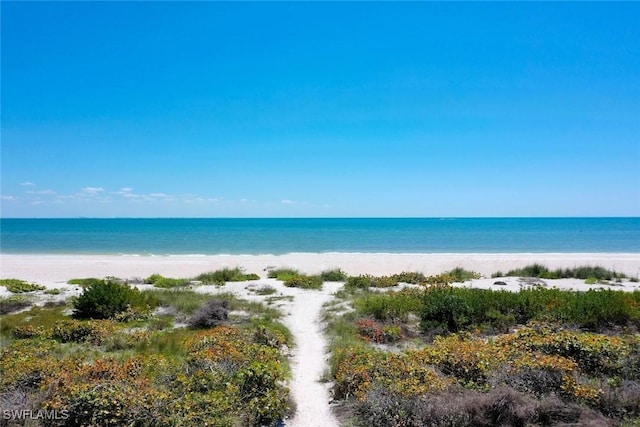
(18, 286)
(392, 306)
(283, 274)
(220, 277)
(366, 281)
(160, 281)
(153, 279)
(444, 308)
(335, 275)
(414, 278)
(599, 308)
(167, 283)
(304, 282)
(582, 272)
(456, 308)
(460, 275)
(358, 282)
(103, 300)
(84, 282)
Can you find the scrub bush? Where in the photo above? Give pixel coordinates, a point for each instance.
(304, 282)
(105, 299)
(212, 313)
(335, 275)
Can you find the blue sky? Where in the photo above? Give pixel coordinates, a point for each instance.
(210, 109)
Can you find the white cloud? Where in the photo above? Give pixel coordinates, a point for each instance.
(7, 197)
(192, 198)
(159, 195)
(92, 190)
(43, 192)
(294, 202)
(27, 184)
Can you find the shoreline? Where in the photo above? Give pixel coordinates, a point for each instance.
(62, 267)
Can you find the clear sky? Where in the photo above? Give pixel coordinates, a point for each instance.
(211, 109)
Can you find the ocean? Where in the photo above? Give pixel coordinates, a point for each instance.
(279, 236)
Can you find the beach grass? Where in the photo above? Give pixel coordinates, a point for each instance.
(265, 290)
(88, 281)
(283, 274)
(160, 281)
(333, 275)
(221, 276)
(18, 286)
(582, 272)
(185, 301)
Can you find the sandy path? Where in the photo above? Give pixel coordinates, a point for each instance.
(309, 359)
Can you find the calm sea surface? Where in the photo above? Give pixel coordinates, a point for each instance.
(278, 236)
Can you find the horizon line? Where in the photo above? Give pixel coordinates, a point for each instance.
(336, 217)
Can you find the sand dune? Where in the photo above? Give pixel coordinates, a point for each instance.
(302, 312)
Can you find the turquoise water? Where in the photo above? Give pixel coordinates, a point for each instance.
(278, 236)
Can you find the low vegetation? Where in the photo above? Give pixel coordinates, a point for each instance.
(594, 273)
(367, 281)
(428, 354)
(17, 286)
(283, 274)
(160, 281)
(109, 368)
(304, 282)
(453, 309)
(440, 355)
(105, 300)
(184, 301)
(335, 275)
(13, 303)
(84, 282)
(266, 290)
(213, 313)
(220, 277)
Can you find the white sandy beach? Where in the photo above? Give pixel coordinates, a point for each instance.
(47, 269)
(302, 313)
